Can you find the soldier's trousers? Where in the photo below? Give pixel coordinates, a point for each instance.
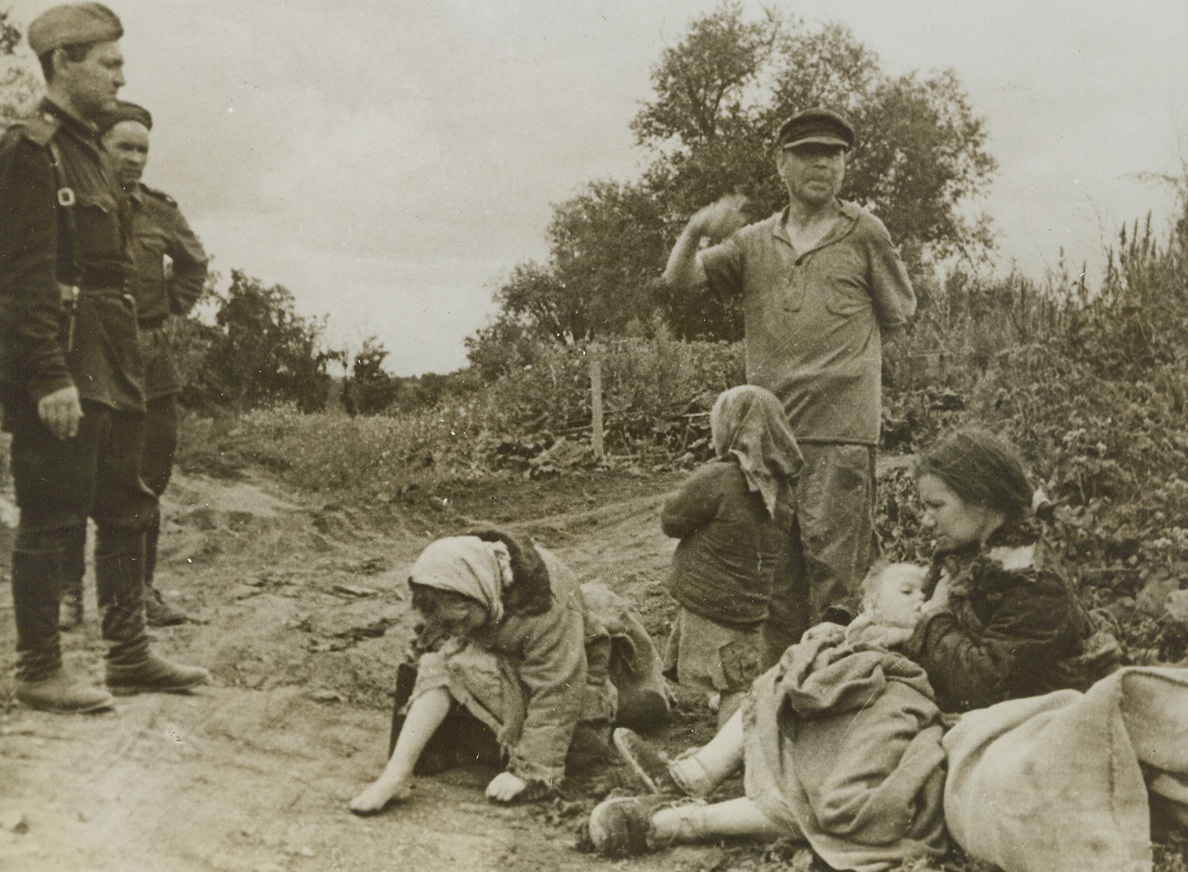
(59, 483)
(162, 383)
(832, 542)
(156, 467)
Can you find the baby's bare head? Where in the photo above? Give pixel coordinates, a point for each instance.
(893, 594)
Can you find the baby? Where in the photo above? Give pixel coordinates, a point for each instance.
(892, 602)
(892, 596)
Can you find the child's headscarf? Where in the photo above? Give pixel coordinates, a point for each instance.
(749, 422)
(469, 566)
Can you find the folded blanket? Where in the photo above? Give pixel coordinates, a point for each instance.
(843, 748)
(1059, 783)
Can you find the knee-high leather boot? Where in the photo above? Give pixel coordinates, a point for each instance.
(157, 612)
(41, 681)
(131, 666)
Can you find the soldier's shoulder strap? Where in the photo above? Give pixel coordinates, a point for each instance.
(160, 195)
(39, 128)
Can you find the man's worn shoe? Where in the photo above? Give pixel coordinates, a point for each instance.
(153, 675)
(62, 693)
(622, 826)
(648, 764)
(158, 613)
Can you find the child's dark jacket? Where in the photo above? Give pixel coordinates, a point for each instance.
(1013, 628)
(723, 567)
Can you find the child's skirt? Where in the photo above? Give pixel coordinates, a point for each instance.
(709, 656)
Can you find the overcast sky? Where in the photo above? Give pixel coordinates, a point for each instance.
(390, 161)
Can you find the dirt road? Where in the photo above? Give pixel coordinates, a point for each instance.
(303, 616)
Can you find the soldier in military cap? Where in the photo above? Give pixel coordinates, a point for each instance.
(822, 288)
(169, 269)
(71, 369)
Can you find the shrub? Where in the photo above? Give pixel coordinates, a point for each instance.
(258, 352)
(340, 453)
(370, 388)
(656, 395)
(534, 421)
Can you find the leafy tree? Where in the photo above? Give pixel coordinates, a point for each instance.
(370, 389)
(536, 297)
(920, 154)
(719, 96)
(261, 351)
(602, 244)
(701, 84)
(503, 346)
(598, 279)
(18, 86)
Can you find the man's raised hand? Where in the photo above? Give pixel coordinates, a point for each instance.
(720, 218)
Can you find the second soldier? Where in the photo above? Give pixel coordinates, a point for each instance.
(168, 272)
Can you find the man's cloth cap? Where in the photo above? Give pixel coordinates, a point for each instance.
(816, 126)
(73, 24)
(125, 111)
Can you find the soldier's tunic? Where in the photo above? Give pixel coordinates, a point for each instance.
(169, 269)
(38, 257)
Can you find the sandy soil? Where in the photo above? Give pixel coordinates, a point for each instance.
(302, 616)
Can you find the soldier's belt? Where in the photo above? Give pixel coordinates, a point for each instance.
(71, 294)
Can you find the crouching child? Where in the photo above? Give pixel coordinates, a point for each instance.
(514, 669)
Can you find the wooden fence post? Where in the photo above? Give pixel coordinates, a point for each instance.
(595, 352)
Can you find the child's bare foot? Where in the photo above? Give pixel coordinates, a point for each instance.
(379, 796)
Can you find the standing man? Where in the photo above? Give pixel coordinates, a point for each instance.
(71, 369)
(168, 272)
(822, 289)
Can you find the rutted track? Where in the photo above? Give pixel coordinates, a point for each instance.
(303, 617)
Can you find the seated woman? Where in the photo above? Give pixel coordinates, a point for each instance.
(517, 670)
(1058, 761)
(840, 744)
(1002, 620)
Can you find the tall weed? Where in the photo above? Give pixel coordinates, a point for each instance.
(1092, 385)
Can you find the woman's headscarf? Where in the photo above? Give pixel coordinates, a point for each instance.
(749, 422)
(469, 566)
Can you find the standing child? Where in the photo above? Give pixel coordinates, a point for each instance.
(734, 519)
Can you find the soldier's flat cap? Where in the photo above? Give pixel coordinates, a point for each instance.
(125, 111)
(73, 24)
(816, 126)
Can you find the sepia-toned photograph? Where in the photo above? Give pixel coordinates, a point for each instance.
(524, 435)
